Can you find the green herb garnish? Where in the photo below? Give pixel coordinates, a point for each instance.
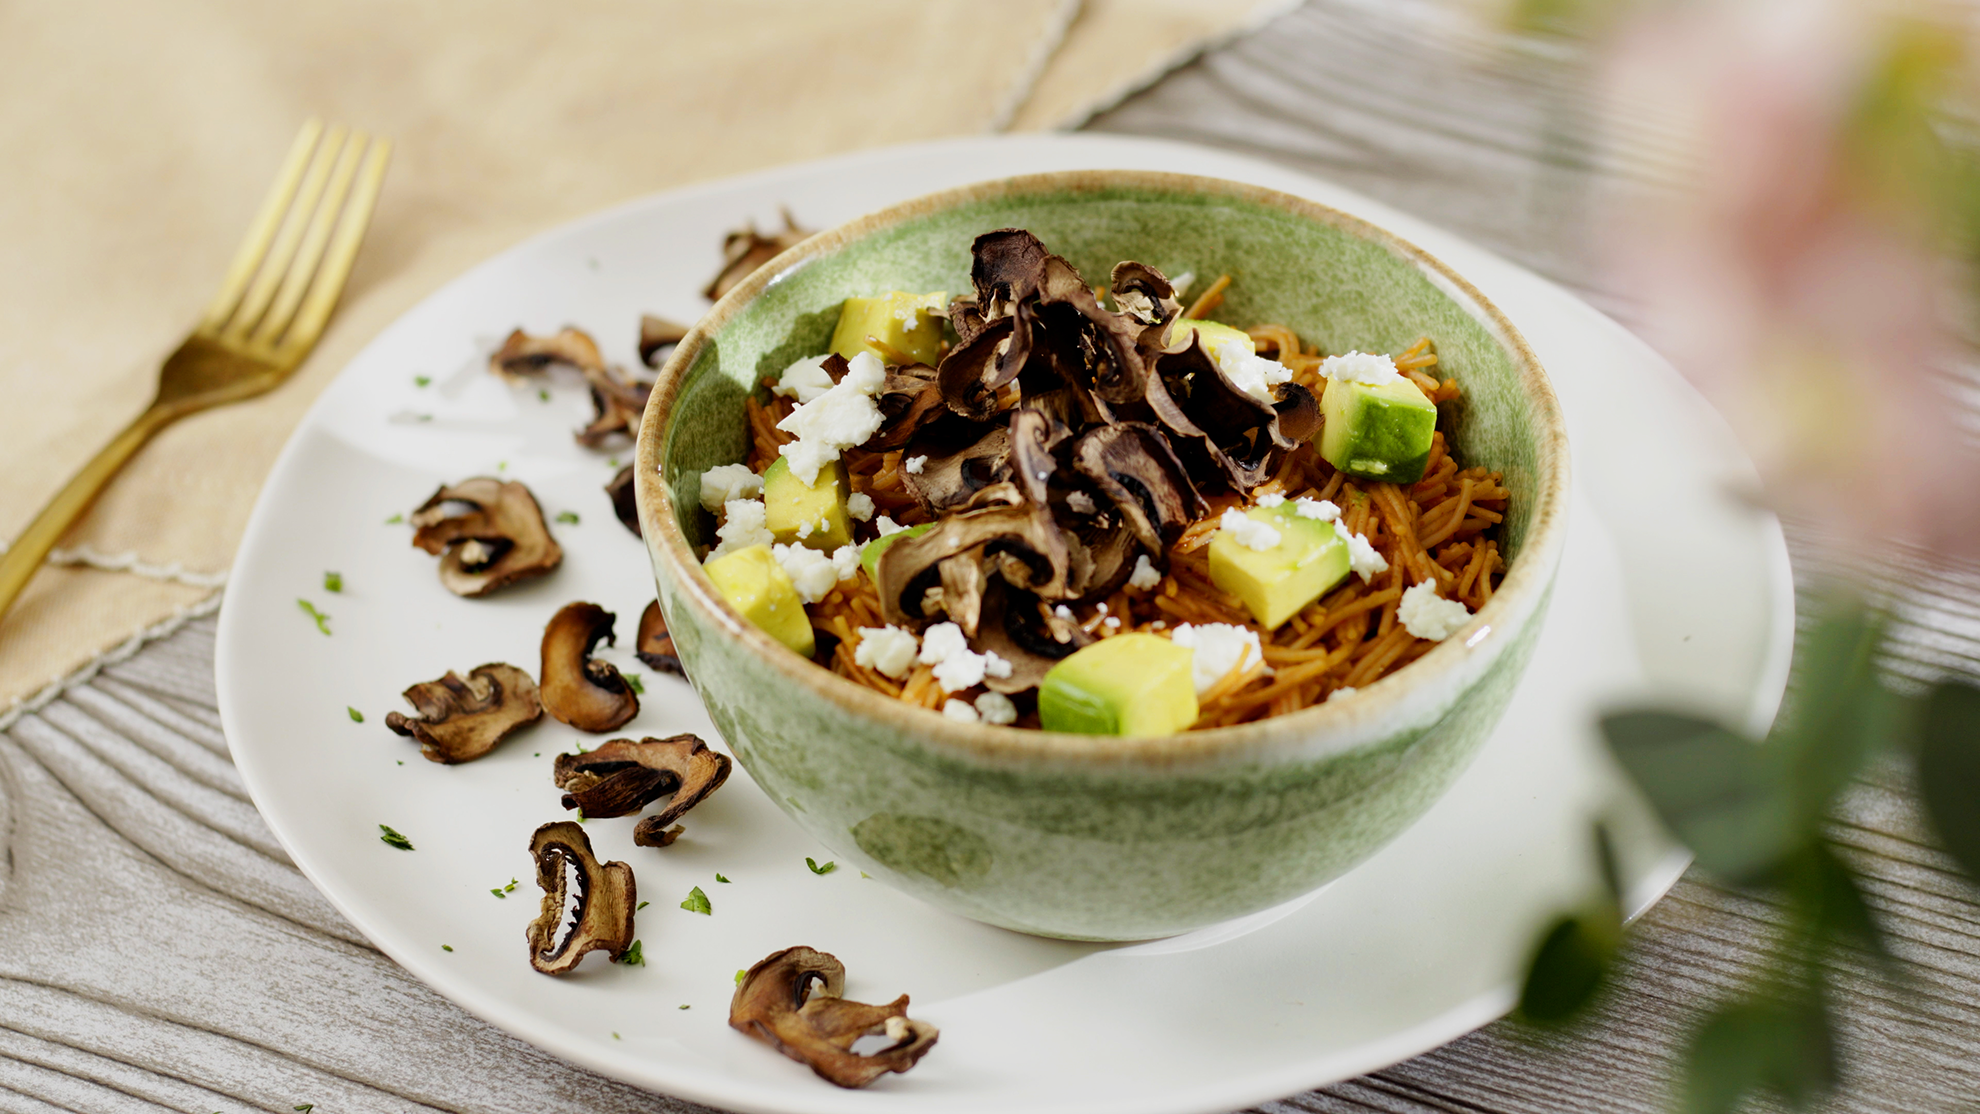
(817, 869)
(305, 1107)
(422, 380)
(393, 839)
(309, 609)
(543, 395)
(356, 716)
(633, 956)
(683, 1005)
(615, 1036)
(719, 878)
(739, 975)
(446, 947)
(333, 582)
(697, 902)
(395, 520)
(504, 891)
(634, 681)
(641, 905)
(569, 517)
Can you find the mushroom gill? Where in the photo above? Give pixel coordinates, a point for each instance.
(579, 689)
(605, 900)
(487, 533)
(793, 1001)
(461, 720)
(622, 777)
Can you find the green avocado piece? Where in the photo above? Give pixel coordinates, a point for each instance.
(910, 324)
(869, 556)
(756, 585)
(1212, 332)
(1381, 433)
(814, 516)
(1276, 583)
(1130, 684)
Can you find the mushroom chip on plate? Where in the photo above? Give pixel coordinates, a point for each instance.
(461, 720)
(623, 777)
(487, 533)
(588, 694)
(792, 1001)
(619, 398)
(606, 898)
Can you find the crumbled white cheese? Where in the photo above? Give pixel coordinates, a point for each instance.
(845, 561)
(1344, 690)
(1322, 509)
(726, 482)
(1249, 372)
(1425, 614)
(1145, 574)
(860, 505)
(1271, 499)
(1217, 648)
(1101, 607)
(1373, 369)
(914, 464)
(1063, 612)
(1111, 623)
(888, 649)
(1080, 503)
(957, 667)
(995, 707)
(887, 526)
(804, 529)
(804, 380)
(1247, 531)
(1158, 625)
(836, 420)
(957, 710)
(742, 526)
(812, 573)
(1363, 561)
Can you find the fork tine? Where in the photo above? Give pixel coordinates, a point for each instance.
(311, 252)
(276, 262)
(330, 278)
(255, 244)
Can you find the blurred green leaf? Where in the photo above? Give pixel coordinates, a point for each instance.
(1782, 1046)
(1569, 968)
(1842, 712)
(1716, 791)
(1823, 893)
(1949, 770)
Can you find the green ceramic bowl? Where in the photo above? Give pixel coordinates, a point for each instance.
(1080, 836)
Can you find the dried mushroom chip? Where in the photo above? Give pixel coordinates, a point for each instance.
(487, 533)
(602, 906)
(579, 689)
(655, 646)
(657, 337)
(793, 1001)
(625, 503)
(622, 777)
(745, 250)
(462, 719)
(619, 398)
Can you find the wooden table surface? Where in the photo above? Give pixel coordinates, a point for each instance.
(159, 953)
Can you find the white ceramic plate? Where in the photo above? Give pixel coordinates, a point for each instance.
(1668, 587)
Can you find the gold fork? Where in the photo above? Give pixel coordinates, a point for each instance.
(270, 310)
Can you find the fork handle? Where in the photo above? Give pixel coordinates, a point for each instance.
(24, 556)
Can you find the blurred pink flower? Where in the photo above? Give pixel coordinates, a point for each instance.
(1806, 298)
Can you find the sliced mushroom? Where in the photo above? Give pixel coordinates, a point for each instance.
(579, 689)
(1022, 629)
(1029, 548)
(622, 777)
(1133, 464)
(657, 336)
(655, 646)
(620, 399)
(962, 588)
(950, 480)
(461, 720)
(910, 400)
(1004, 267)
(499, 539)
(605, 900)
(1299, 413)
(1144, 293)
(746, 250)
(624, 503)
(792, 1001)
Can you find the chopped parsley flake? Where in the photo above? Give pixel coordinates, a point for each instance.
(421, 381)
(633, 956)
(356, 716)
(638, 684)
(309, 609)
(305, 1107)
(504, 891)
(641, 905)
(697, 902)
(817, 869)
(570, 517)
(719, 878)
(543, 395)
(395, 520)
(615, 1036)
(393, 839)
(612, 463)
(422, 417)
(739, 975)
(446, 947)
(333, 582)
(501, 466)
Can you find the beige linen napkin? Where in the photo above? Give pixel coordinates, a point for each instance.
(140, 137)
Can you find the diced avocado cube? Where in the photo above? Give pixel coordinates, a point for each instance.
(910, 324)
(1382, 433)
(869, 556)
(1130, 684)
(1212, 332)
(756, 585)
(813, 515)
(1275, 583)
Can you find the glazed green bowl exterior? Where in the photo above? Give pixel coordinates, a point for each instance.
(1080, 836)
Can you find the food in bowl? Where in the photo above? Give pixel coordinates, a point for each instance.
(1024, 507)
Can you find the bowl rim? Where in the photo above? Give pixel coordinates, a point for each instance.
(1526, 582)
